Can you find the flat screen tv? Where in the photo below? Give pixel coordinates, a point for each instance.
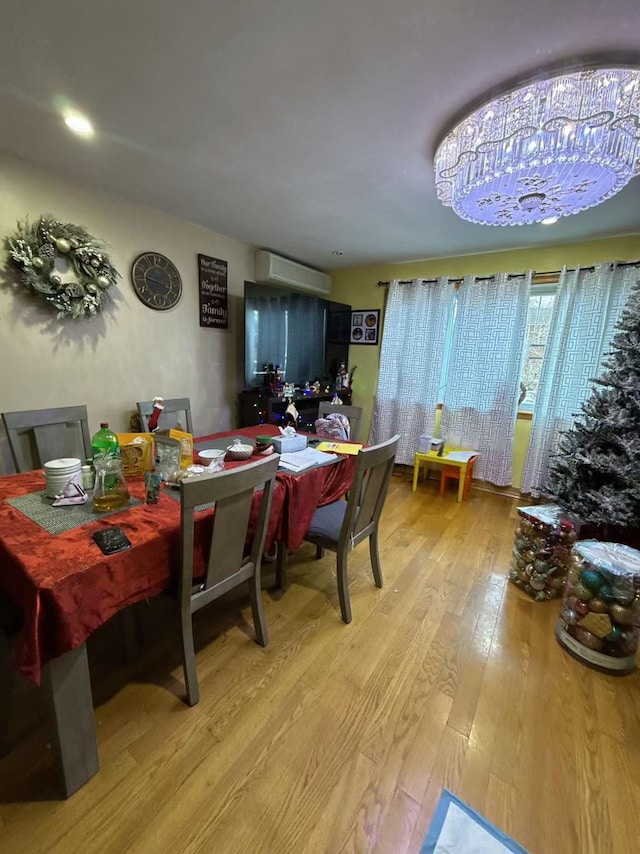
(305, 335)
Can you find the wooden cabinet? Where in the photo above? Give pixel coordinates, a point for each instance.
(255, 407)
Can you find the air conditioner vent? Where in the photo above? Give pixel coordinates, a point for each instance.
(272, 269)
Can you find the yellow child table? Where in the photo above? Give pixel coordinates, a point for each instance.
(456, 464)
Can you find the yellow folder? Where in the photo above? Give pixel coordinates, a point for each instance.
(339, 447)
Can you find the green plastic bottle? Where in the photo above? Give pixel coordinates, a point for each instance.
(105, 442)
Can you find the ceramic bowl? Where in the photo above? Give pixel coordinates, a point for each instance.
(212, 454)
(239, 452)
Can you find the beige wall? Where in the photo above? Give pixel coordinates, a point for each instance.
(132, 352)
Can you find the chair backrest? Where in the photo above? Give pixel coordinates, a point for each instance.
(177, 405)
(353, 413)
(39, 435)
(374, 467)
(234, 494)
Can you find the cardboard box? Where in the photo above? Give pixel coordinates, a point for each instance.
(136, 450)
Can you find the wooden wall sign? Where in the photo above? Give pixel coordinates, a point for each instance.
(212, 280)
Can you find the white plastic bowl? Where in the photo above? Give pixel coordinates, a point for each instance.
(212, 454)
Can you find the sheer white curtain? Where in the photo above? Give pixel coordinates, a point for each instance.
(413, 343)
(585, 311)
(482, 384)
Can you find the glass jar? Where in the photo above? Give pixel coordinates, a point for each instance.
(542, 551)
(600, 613)
(110, 489)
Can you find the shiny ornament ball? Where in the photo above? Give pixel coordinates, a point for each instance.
(570, 617)
(592, 579)
(92, 289)
(587, 639)
(621, 615)
(598, 606)
(606, 593)
(55, 279)
(582, 608)
(94, 263)
(102, 282)
(614, 635)
(74, 243)
(537, 583)
(583, 592)
(541, 566)
(62, 245)
(565, 525)
(572, 537)
(37, 262)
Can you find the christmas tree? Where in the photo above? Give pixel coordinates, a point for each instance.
(596, 472)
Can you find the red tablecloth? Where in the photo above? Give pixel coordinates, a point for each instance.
(305, 491)
(66, 588)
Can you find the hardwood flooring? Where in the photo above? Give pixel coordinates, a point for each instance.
(340, 738)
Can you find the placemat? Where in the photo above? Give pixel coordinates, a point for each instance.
(175, 494)
(56, 520)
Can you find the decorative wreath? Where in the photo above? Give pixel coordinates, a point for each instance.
(33, 250)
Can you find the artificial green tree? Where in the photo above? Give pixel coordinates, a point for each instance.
(596, 471)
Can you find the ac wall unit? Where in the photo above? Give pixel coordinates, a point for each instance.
(274, 270)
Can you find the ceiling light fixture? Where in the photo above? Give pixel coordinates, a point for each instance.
(337, 252)
(549, 148)
(79, 124)
(550, 220)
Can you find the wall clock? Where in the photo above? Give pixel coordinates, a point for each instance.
(156, 281)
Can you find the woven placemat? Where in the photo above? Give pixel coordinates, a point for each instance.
(175, 494)
(56, 520)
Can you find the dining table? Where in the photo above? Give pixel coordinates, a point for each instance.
(65, 588)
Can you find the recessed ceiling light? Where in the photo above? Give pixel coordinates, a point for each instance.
(549, 220)
(79, 124)
(337, 252)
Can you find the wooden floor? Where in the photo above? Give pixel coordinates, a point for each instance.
(340, 738)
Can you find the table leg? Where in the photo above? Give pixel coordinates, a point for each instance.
(6, 690)
(461, 482)
(67, 689)
(416, 470)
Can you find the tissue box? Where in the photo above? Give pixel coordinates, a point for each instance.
(284, 444)
(424, 444)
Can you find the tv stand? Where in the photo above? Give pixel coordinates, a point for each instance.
(256, 407)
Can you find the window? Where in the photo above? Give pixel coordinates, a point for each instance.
(538, 324)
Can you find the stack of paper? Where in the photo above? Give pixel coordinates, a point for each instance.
(301, 460)
(460, 456)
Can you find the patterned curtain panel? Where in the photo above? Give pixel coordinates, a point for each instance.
(482, 385)
(585, 311)
(413, 343)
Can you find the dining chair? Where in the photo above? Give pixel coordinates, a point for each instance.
(227, 564)
(180, 406)
(38, 435)
(353, 414)
(341, 525)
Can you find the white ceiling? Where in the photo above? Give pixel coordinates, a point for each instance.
(302, 126)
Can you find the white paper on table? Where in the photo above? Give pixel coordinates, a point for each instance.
(305, 459)
(460, 456)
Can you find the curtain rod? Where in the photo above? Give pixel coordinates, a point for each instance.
(510, 276)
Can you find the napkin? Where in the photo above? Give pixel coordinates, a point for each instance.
(288, 432)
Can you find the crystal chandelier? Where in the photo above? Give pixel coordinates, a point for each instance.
(549, 148)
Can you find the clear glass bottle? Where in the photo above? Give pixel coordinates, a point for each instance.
(110, 490)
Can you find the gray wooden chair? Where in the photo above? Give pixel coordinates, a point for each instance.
(227, 564)
(353, 413)
(38, 435)
(340, 526)
(180, 407)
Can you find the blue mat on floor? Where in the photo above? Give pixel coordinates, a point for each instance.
(457, 829)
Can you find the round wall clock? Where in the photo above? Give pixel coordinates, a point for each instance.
(156, 280)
